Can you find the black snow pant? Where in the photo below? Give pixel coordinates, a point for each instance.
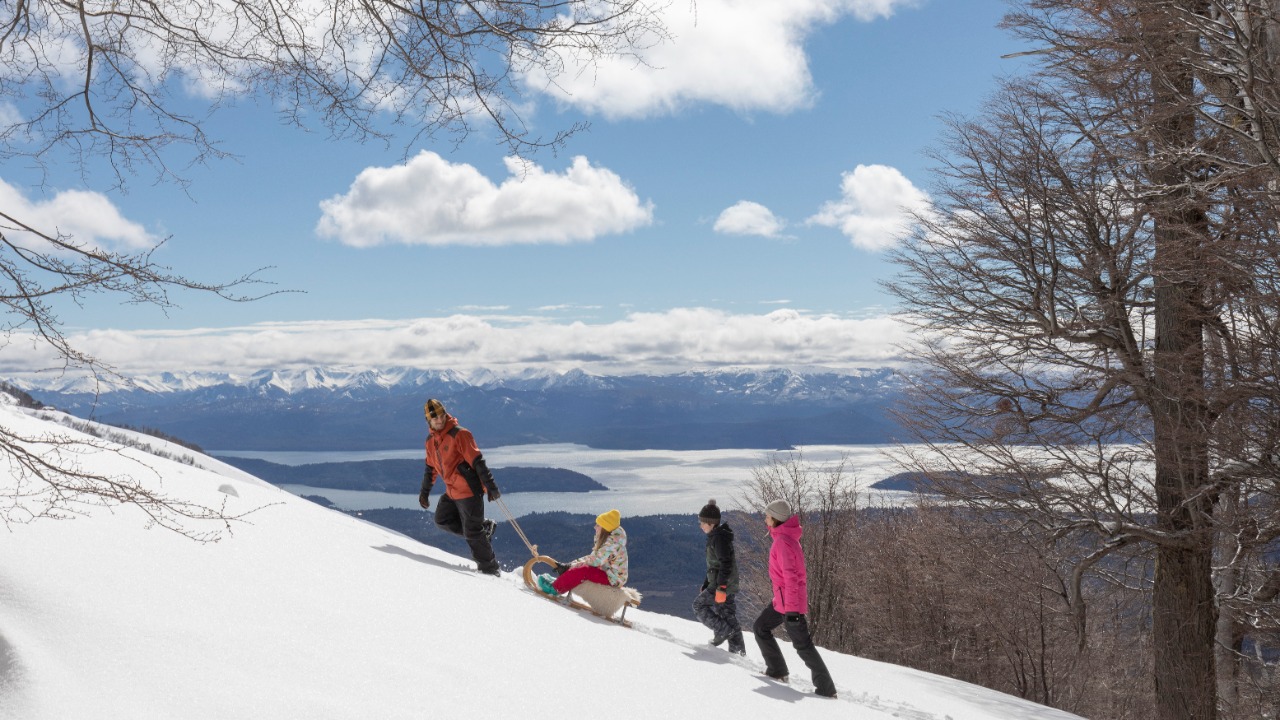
(465, 518)
(775, 665)
(720, 618)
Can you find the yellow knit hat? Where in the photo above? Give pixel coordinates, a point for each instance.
(609, 520)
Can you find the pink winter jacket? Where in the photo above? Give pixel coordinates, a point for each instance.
(786, 568)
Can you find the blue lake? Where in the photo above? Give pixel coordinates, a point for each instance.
(640, 482)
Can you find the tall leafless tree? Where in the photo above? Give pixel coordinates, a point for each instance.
(1096, 287)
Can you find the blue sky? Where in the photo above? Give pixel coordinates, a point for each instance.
(731, 207)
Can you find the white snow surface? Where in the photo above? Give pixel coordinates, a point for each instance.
(304, 612)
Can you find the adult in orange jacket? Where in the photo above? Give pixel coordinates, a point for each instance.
(452, 454)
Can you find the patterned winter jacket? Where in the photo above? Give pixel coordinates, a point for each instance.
(611, 557)
(787, 569)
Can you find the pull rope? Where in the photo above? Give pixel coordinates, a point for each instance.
(533, 549)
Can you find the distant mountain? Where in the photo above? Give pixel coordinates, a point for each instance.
(371, 409)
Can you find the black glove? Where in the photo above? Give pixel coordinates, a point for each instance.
(561, 569)
(428, 481)
(795, 617)
(486, 479)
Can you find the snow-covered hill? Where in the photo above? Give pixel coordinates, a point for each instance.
(303, 612)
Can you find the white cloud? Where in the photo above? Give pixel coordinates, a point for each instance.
(748, 218)
(564, 307)
(670, 341)
(743, 54)
(874, 208)
(431, 201)
(85, 218)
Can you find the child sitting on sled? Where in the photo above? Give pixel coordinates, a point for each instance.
(605, 565)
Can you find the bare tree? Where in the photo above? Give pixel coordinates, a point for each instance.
(110, 80)
(1097, 292)
(123, 87)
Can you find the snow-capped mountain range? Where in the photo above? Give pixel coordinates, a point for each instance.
(795, 382)
(381, 408)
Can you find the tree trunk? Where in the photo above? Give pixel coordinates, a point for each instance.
(1184, 614)
(1183, 621)
(1184, 611)
(1227, 644)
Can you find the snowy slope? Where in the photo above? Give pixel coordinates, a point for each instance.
(308, 613)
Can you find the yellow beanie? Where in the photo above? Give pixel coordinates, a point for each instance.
(609, 520)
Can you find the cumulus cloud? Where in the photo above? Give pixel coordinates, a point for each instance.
(743, 54)
(874, 208)
(85, 218)
(748, 218)
(671, 341)
(431, 201)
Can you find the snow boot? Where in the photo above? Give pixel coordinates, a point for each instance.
(544, 584)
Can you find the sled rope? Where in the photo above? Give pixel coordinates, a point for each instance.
(533, 549)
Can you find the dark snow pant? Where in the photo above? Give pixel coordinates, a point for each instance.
(775, 665)
(465, 518)
(720, 618)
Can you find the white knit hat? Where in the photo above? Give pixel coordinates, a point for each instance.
(779, 510)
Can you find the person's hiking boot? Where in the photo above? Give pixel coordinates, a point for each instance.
(779, 678)
(489, 527)
(718, 640)
(493, 569)
(544, 584)
(824, 694)
(737, 645)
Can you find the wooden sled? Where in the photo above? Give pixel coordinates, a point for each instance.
(601, 600)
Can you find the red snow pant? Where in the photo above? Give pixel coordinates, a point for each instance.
(573, 577)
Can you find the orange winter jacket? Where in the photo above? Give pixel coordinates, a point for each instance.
(447, 449)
